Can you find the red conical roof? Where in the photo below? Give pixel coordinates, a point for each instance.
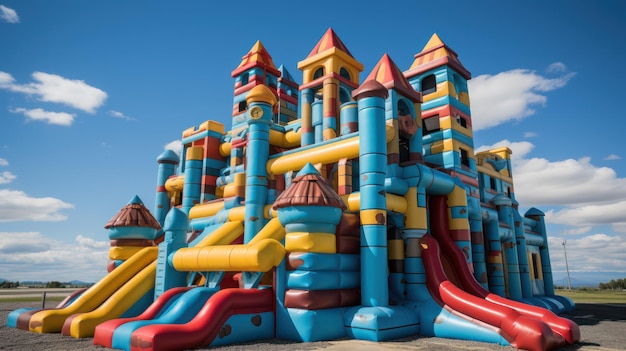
(329, 40)
(389, 75)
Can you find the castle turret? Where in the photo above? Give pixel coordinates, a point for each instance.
(402, 112)
(447, 125)
(130, 230)
(287, 97)
(256, 68)
(330, 73)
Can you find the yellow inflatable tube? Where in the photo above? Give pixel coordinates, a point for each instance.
(51, 321)
(258, 257)
(84, 325)
(395, 203)
(262, 253)
(328, 153)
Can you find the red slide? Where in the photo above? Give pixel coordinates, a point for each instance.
(103, 334)
(439, 224)
(204, 327)
(520, 331)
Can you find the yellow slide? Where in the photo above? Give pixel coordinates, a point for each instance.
(262, 253)
(51, 321)
(118, 295)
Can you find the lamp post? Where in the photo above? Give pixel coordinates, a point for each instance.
(569, 283)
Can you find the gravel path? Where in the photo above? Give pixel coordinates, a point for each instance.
(603, 328)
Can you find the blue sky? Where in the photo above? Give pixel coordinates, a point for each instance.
(91, 92)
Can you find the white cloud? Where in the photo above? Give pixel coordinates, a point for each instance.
(37, 114)
(530, 134)
(28, 243)
(593, 253)
(33, 256)
(580, 195)
(511, 95)
(6, 80)
(120, 115)
(84, 241)
(569, 182)
(17, 206)
(54, 88)
(612, 214)
(578, 231)
(612, 157)
(9, 15)
(556, 67)
(175, 146)
(7, 177)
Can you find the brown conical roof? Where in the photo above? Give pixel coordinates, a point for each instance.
(309, 188)
(135, 214)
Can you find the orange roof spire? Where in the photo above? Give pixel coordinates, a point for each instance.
(257, 56)
(387, 73)
(437, 53)
(328, 41)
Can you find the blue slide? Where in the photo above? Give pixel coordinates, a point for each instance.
(180, 309)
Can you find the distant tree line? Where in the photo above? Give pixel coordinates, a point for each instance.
(8, 285)
(613, 284)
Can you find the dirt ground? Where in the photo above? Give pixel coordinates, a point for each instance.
(603, 328)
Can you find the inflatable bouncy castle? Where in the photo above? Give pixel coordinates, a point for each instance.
(338, 207)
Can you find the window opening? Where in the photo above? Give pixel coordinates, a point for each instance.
(343, 96)
(464, 158)
(344, 73)
(405, 151)
(535, 258)
(431, 125)
(243, 105)
(403, 108)
(429, 84)
(318, 73)
(461, 121)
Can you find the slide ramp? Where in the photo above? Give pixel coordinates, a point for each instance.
(51, 321)
(563, 327)
(180, 310)
(138, 288)
(13, 316)
(260, 255)
(207, 324)
(103, 334)
(522, 332)
(135, 291)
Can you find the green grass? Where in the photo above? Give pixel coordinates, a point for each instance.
(594, 296)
